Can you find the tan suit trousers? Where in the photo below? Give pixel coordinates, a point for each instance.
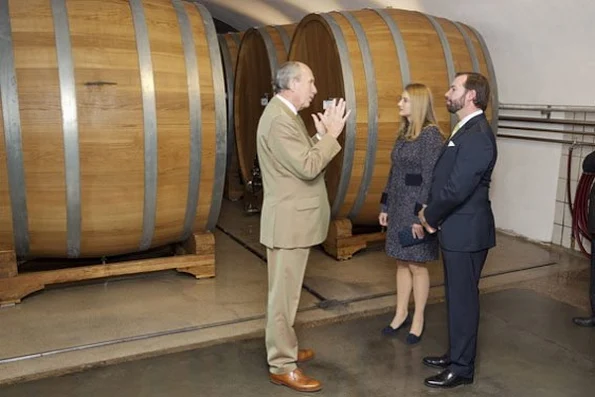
(286, 268)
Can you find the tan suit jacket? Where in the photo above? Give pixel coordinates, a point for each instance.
(295, 210)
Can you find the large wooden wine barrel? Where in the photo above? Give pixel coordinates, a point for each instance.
(229, 44)
(113, 130)
(262, 51)
(367, 57)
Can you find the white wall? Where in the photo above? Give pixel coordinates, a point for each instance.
(543, 54)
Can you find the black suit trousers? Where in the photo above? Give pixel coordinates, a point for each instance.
(461, 277)
(592, 289)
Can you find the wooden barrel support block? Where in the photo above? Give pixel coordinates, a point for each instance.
(342, 244)
(113, 113)
(368, 57)
(8, 264)
(196, 256)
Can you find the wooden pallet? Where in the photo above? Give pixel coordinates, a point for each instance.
(195, 256)
(341, 243)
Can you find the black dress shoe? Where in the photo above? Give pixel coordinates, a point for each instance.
(437, 362)
(390, 331)
(584, 321)
(446, 380)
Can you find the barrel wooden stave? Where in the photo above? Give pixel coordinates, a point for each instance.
(111, 130)
(230, 47)
(36, 68)
(492, 109)
(261, 49)
(357, 177)
(5, 214)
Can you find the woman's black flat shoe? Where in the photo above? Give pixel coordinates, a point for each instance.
(412, 339)
(390, 331)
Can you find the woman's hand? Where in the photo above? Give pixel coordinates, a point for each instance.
(383, 219)
(417, 230)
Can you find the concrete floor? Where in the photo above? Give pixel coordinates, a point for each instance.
(69, 328)
(527, 348)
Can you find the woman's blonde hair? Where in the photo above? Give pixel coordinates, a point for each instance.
(422, 112)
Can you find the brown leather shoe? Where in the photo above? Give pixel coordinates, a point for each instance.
(305, 355)
(296, 380)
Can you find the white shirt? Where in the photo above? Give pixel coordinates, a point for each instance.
(461, 123)
(294, 110)
(286, 102)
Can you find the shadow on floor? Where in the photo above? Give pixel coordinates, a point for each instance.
(125, 318)
(527, 347)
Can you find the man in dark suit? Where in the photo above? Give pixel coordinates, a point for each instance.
(459, 209)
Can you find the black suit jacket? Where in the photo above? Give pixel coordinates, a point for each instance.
(459, 203)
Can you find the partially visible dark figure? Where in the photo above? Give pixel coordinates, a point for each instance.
(589, 166)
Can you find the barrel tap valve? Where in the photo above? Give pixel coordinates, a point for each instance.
(254, 188)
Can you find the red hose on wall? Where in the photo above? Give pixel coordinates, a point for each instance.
(580, 209)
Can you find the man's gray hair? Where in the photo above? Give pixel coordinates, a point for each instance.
(287, 72)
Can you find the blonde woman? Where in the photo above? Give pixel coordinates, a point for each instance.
(417, 148)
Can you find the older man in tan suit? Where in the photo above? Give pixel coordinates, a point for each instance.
(295, 210)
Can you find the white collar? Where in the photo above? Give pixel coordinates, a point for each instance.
(287, 103)
(461, 123)
(469, 117)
